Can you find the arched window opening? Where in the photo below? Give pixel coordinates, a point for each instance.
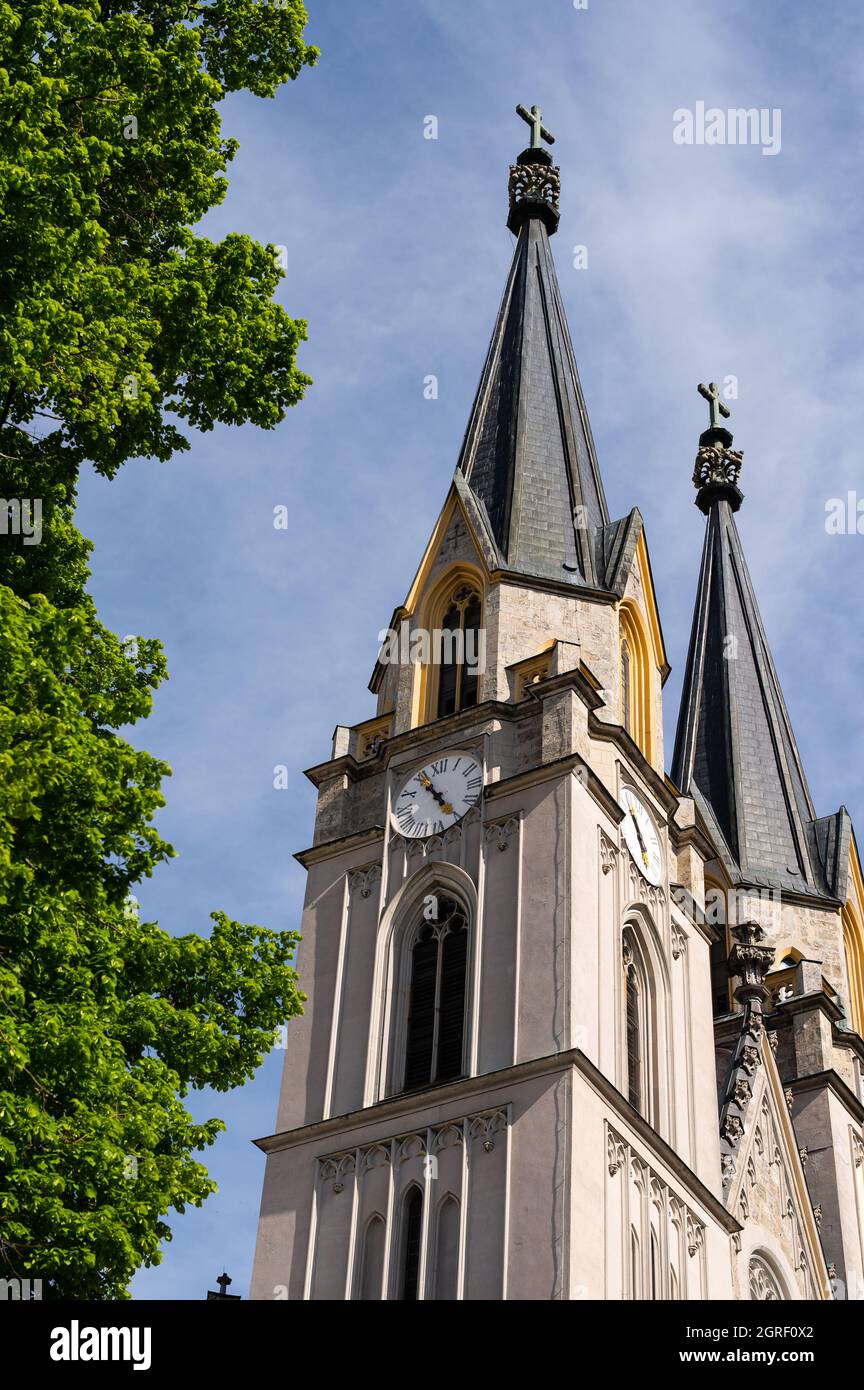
(436, 1008)
(626, 716)
(637, 667)
(372, 1269)
(412, 1230)
(458, 676)
(447, 1251)
(655, 1267)
(635, 1266)
(643, 1030)
(764, 1284)
(635, 1060)
(853, 941)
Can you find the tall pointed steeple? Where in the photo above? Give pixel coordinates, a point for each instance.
(528, 456)
(735, 751)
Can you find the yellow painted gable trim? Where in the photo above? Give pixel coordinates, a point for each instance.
(853, 939)
(430, 555)
(651, 609)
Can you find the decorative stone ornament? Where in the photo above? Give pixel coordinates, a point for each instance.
(718, 465)
(749, 961)
(534, 190)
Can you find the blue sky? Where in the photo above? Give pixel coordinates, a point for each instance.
(702, 262)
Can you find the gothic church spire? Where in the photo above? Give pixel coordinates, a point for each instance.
(528, 456)
(735, 750)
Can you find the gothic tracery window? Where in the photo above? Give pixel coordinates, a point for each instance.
(436, 1007)
(763, 1282)
(458, 674)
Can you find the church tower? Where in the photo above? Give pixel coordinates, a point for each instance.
(504, 1084)
(776, 863)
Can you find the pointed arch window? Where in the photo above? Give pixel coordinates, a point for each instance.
(626, 718)
(644, 1079)
(655, 1267)
(436, 1006)
(637, 681)
(853, 941)
(635, 1265)
(447, 1251)
(633, 1030)
(372, 1272)
(412, 1231)
(458, 674)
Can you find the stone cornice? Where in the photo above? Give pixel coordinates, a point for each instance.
(397, 1108)
(830, 1081)
(545, 772)
(553, 586)
(359, 840)
(691, 835)
(617, 734)
(454, 726)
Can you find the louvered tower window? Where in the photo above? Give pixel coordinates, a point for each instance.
(458, 677)
(626, 717)
(436, 1010)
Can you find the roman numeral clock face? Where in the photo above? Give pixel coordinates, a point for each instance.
(438, 796)
(642, 839)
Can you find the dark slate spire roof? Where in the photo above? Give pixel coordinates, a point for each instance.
(528, 456)
(735, 751)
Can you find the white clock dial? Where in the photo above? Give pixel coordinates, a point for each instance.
(642, 839)
(438, 796)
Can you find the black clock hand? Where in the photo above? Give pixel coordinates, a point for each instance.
(639, 835)
(436, 795)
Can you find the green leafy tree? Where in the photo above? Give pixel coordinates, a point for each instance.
(119, 330)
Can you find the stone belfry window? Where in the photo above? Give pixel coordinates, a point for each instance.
(458, 672)
(636, 710)
(436, 1009)
(626, 717)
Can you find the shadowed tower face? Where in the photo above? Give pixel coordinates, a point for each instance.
(504, 1084)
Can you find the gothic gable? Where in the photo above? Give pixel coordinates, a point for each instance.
(778, 1254)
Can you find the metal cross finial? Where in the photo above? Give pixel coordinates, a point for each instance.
(534, 117)
(715, 405)
(223, 1281)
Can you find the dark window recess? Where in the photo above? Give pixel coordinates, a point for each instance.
(634, 1059)
(625, 685)
(720, 975)
(458, 677)
(451, 1012)
(412, 1217)
(436, 1009)
(448, 679)
(421, 1016)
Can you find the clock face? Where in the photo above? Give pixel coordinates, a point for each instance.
(438, 795)
(642, 839)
